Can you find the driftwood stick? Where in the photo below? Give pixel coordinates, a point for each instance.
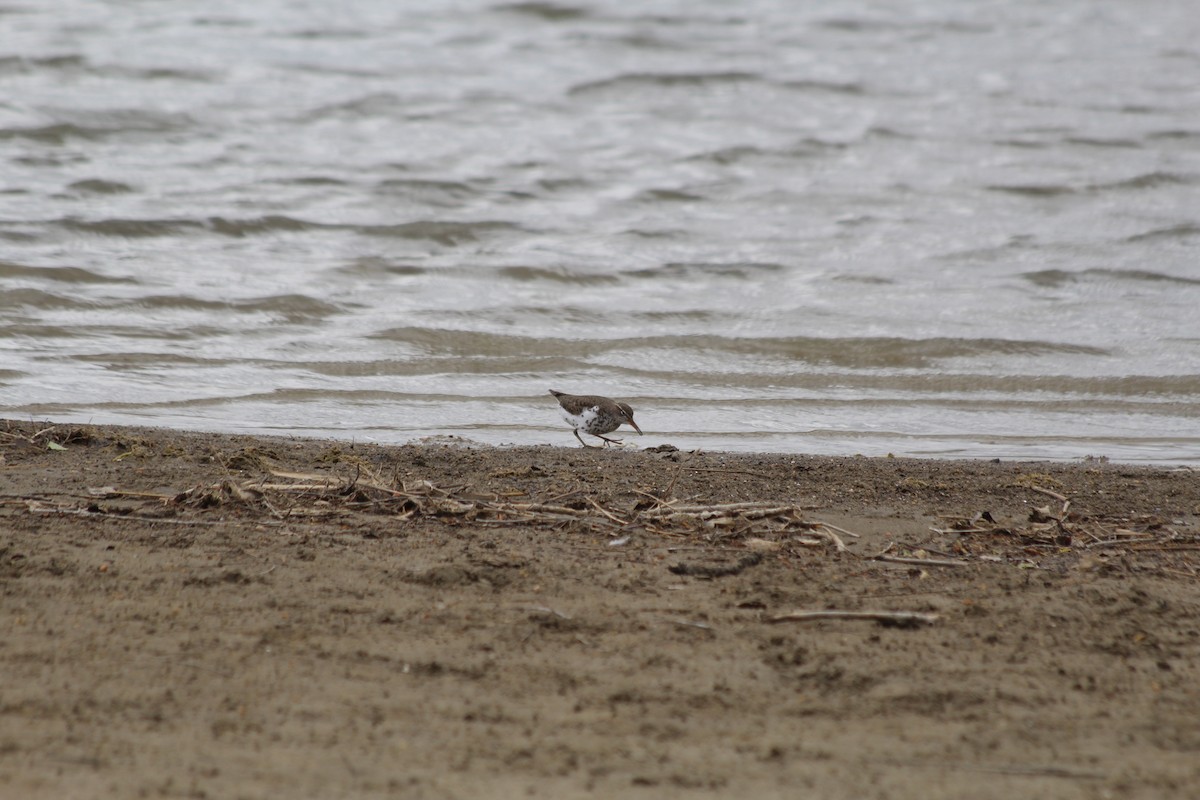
(657, 500)
(944, 531)
(83, 512)
(1049, 493)
(674, 480)
(608, 514)
(831, 536)
(842, 531)
(543, 508)
(761, 513)
(547, 610)
(697, 509)
(924, 562)
(903, 618)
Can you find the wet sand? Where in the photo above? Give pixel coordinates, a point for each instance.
(201, 615)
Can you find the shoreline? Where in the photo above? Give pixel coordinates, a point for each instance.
(233, 614)
(566, 441)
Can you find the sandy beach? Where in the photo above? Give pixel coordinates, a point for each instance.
(201, 615)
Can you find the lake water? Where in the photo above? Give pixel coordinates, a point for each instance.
(930, 228)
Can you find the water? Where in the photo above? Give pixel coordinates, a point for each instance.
(931, 228)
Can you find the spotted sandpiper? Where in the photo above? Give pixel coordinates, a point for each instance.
(595, 415)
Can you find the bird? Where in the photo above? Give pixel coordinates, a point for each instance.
(595, 415)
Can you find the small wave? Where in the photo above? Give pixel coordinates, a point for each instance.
(1024, 144)
(149, 228)
(901, 24)
(555, 275)
(376, 267)
(905, 353)
(369, 105)
(1087, 141)
(863, 352)
(857, 25)
(866, 280)
(1033, 190)
(36, 298)
(19, 65)
(97, 186)
(1174, 135)
(258, 225)
(168, 74)
(42, 332)
(663, 80)
(1150, 180)
(436, 193)
(668, 196)
(811, 147)
(808, 147)
(691, 269)
(56, 133)
(829, 87)
(78, 65)
(448, 365)
(313, 180)
(153, 332)
(1055, 278)
(656, 233)
(1184, 231)
(730, 155)
(448, 234)
(550, 12)
(884, 132)
(60, 274)
(96, 124)
(141, 359)
(130, 228)
(290, 307)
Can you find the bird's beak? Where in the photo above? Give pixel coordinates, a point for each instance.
(635, 427)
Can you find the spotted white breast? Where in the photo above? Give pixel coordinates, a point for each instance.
(583, 420)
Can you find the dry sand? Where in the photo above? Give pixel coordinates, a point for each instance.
(199, 615)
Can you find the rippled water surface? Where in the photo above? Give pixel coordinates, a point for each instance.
(929, 228)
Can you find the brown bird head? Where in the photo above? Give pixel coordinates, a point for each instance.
(628, 412)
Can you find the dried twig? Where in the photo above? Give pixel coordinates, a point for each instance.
(907, 619)
(924, 562)
(1049, 493)
(687, 623)
(83, 512)
(842, 531)
(547, 610)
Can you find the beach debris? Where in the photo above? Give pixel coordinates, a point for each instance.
(898, 619)
(1051, 533)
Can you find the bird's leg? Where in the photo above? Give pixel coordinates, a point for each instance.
(610, 441)
(581, 441)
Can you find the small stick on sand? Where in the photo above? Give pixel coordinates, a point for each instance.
(944, 531)
(833, 537)
(924, 562)
(599, 508)
(907, 619)
(547, 610)
(1049, 493)
(842, 531)
(674, 480)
